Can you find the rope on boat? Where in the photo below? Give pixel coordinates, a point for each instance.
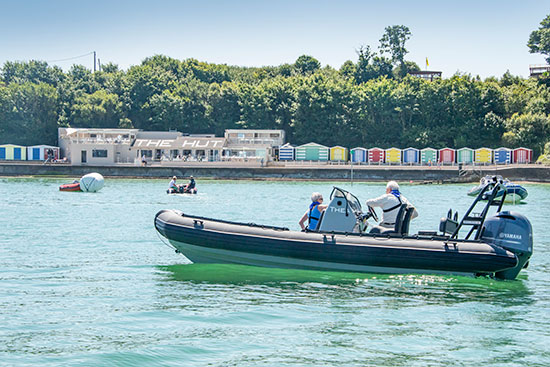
(166, 243)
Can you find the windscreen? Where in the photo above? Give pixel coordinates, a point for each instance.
(351, 199)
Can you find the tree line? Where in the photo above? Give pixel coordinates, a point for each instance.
(371, 101)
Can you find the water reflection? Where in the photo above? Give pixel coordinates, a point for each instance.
(406, 290)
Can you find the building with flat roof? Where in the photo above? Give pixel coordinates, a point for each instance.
(427, 75)
(178, 148)
(262, 144)
(536, 71)
(100, 147)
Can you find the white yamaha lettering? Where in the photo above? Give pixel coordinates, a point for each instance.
(510, 236)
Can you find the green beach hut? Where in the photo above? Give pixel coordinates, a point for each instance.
(428, 156)
(312, 152)
(465, 156)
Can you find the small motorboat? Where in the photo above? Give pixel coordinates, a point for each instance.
(515, 193)
(74, 186)
(499, 246)
(182, 190)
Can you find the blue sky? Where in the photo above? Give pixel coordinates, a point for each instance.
(483, 38)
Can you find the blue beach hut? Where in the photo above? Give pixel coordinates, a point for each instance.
(42, 152)
(11, 152)
(359, 155)
(503, 155)
(287, 152)
(411, 156)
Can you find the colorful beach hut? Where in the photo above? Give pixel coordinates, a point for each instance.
(11, 152)
(359, 155)
(312, 152)
(393, 156)
(447, 156)
(287, 152)
(522, 155)
(428, 156)
(411, 156)
(42, 152)
(338, 153)
(502, 155)
(465, 156)
(483, 156)
(376, 155)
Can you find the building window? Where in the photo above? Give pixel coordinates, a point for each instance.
(99, 153)
(147, 153)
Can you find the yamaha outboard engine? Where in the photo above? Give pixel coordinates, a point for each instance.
(511, 231)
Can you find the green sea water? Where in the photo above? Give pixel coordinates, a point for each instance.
(86, 281)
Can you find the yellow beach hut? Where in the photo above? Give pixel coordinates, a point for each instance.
(483, 156)
(338, 153)
(11, 152)
(393, 156)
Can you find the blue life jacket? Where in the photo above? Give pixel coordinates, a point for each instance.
(314, 216)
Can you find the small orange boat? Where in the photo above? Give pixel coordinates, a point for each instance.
(75, 186)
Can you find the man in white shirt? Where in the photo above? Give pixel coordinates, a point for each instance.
(390, 203)
(173, 186)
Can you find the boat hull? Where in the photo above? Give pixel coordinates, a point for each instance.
(70, 187)
(204, 240)
(514, 193)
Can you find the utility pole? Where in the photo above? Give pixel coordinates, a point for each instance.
(94, 61)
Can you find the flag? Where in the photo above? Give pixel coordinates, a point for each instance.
(427, 63)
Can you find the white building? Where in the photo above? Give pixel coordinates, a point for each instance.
(104, 147)
(263, 144)
(101, 147)
(178, 148)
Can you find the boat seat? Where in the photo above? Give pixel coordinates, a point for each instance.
(402, 221)
(447, 225)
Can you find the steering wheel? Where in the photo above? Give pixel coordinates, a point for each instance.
(373, 213)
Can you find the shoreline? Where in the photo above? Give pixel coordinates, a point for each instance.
(419, 174)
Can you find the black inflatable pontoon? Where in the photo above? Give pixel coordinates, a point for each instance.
(500, 245)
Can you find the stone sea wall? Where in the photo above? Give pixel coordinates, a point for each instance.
(535, 173)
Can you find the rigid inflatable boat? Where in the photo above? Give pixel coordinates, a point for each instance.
(182, 190)
(499, 246)
(514, 192)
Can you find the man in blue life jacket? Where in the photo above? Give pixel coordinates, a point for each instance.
(390, 203)
(313, 214)
(191, 184)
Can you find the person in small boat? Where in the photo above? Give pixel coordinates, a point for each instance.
(390, 203)
(313, 214)
(173, 186)
(191, 184)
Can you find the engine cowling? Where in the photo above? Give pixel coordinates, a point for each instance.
(512, 231)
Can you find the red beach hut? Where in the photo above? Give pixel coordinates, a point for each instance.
(447, 156)
(377, 155)
(522, 155)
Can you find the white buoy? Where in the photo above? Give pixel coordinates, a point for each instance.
(92, 182)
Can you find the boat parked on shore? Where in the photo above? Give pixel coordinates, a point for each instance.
(499, 246)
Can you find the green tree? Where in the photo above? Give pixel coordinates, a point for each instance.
(99, 109)
(529, 130)
(306, 65)
(539, 40)
(393, 42)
